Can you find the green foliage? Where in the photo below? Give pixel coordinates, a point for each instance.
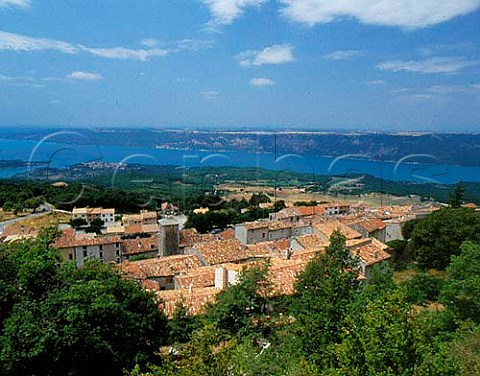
(257, 199)
(324, 291)
(181, 326)
(376, 339)
(78, 222)
(239, 305)
(457, 196)
(422, 288)
(95, 226)
(462, 290)
(436, 238)
(58, 320)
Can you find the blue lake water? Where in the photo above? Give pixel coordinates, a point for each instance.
(413, 168)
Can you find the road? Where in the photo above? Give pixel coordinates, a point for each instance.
(19, 219)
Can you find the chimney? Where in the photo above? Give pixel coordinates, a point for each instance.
(221, 278)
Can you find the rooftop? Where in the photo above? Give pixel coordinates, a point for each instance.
(159, 267)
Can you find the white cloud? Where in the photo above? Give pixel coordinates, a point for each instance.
(277, 54)
(123, 53)
(343, 55)
(150, 42)
(261, 82)
(433, 65)
(210, 94)
(376, 82)
(26, 84)
(84, 76)
(409, 14)
(414, 98)
(15, 3)
(448, 89)
(17, 42)
(226, 11)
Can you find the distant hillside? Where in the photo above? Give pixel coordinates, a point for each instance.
(459, 149)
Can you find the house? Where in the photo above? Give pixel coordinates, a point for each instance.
(90, 214)
(194, 299)
(160, 270)
(82, 247)
(189, 237)
(147, 247)
(296, 213)
(369, 253)
(371, 228)
(324, 230)
(261, 231)
(222, 251)
(336, 208)
(393, 228)
(201, 211)
(144, 218)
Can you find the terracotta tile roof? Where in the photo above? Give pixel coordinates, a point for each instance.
(255, 225)
(310, 241)
(306, 255)
(221, 251)
(310, 210)
(469, 205)
(115, 230)
(228, 234)
(140, 245)
(67, 240)
(139, 228)
(189, 237)
(327, 228)
(91, 211)
(159, 267)
(200, 277)
(194, 300)
(144, 215)
(370, 251)
(283, 274)
(371, 225)
(260, 249)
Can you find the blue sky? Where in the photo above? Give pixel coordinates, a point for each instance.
(350, 64)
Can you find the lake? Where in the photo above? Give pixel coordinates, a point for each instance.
(412, 168)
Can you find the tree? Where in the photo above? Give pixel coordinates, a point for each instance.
(323, 294)
(95, 226)
(78, 222)
(437, 237)
(376, 340)
(240, 304)
(457, 196)
(59, 320)
(462, 290)
(279, 205)
(257, 199)
(181, 326)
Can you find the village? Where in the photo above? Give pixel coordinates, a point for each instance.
(181, 265)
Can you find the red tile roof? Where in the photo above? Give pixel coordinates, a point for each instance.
(221, 251)
(140, 245)
(159, 267)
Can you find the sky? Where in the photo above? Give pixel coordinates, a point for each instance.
(318, 64)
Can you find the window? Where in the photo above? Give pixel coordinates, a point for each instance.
(100, 247)
(70, 256)
(85, 253)
(101, 255)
